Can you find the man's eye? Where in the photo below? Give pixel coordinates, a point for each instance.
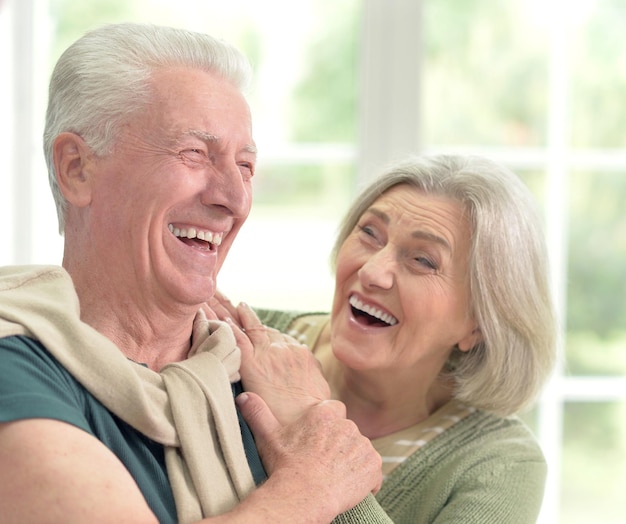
(193, 155)
(247, 170)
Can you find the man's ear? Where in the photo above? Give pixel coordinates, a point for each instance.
(470, 340)
(73, 163)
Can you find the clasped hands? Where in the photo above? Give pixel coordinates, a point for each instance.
(304, 438)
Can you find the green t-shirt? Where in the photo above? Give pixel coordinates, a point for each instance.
(33, 384)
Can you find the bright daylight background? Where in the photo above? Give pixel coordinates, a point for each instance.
(343, 86)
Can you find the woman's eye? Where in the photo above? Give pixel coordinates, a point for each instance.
(367, 230)
(426, 262)
(371, 234)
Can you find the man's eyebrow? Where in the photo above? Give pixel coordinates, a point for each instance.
(202, 135)
(426, 235)
(210, 138)
(251, 148)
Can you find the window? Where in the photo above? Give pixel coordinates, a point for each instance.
(341, 87)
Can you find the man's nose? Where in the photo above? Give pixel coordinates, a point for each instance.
(226, 187)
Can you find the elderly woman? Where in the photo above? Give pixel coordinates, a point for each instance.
(441, 329)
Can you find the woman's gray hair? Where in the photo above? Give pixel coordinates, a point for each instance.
(104, 77)
(509, 286)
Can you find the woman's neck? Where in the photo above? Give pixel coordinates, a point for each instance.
(376, 401)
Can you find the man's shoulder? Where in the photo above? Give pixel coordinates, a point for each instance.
(26, 354)
(17, 276)
(33, 384)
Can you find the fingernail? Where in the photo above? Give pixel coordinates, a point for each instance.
(241, 399)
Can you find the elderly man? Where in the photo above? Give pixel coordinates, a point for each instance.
(116, 391)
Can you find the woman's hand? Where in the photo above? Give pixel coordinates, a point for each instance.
(221, 308)
(273, 365)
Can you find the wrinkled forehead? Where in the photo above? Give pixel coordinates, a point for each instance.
(423, 214)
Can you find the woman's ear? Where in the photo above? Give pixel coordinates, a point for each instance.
(470, 340)
(73, 162)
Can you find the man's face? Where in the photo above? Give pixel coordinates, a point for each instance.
(169, 200)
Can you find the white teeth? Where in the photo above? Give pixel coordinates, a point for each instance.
(192, 232)
(372, 311)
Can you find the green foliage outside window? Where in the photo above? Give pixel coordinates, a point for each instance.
(485, 75)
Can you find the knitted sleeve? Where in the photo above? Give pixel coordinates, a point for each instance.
(367, 511)
(276, 319)
(483, 470)
(510, 495)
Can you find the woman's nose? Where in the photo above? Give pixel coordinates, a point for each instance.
(379, 270)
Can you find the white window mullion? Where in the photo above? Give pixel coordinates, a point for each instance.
(390, 93)
(550, 423)
(23, 120)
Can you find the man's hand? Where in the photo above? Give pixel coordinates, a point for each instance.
(321, 459)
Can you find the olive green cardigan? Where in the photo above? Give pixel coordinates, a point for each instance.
(484, 469)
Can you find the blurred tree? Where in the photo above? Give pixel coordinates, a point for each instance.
(597, 251)
(482, 69)
(599, 78)
(324, 101)
(485, 84)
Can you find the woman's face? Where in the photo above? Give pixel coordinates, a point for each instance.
(402, 289)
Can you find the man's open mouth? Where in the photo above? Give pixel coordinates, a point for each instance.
(201, 239)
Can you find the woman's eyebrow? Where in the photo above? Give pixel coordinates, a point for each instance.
(421, 234)
(432, 237)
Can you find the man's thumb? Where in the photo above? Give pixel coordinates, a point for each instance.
(257, 415)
